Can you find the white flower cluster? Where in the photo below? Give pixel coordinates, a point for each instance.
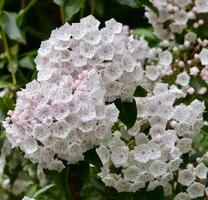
(174, 15)
(190, 178)
(152, 150)
(110, 50)
(80, 68)
(183, 64)
(54, 121)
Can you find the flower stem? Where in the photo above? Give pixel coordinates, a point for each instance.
(62, 14)
(9, 57)
(72, 185)
(93, 7)
(23, 4)
(82, 8)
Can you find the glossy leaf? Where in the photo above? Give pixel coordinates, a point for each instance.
(42, 190)
(4, 84)
(92, 158)
(140, 92)
(131, 3)
(11, 28)
(149, 5)
(27, 62)
(128, 112)
(71, 7)
(58, 2)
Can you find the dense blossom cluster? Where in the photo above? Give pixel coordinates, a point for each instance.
(54, 121)
(82, 46)
(151, 151)
(80, 68)
(83, 69)
(184, 65)
(174, 15)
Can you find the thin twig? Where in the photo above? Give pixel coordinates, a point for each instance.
(93, 7)
(62, 14)
(73, 186)
(9, 57)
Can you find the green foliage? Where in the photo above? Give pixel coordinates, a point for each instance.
(148, 4)
(42, 190)
(69, 8)
(92, 158)
(128, 112)
(131, 3)
(9, 20)
(59, 188)
(140, 92)
(148, 34)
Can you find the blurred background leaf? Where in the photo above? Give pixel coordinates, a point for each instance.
(9, 20)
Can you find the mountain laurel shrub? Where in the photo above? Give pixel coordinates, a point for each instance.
(104, 110)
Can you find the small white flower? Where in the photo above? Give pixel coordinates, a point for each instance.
(203, 56)
(131, 174)
(196, 190)
(158, 168)
(201, 6)
(184, 145)
(191, 37)
(141, 138)
(181, 17)
(182, 3)
(174, 165)
(183, 79)
(185, 177)
(104, 154)
(116, 27)
(201, 171)
(141, 153)
(90, 23)
(154, 151)
(198, 106)
(165, 58)
(194, 71)
(152, 72)
(119, 156)
(182, 196)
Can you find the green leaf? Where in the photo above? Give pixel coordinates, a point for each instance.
(30, 190)
(2, 64)
(59, 2)
(4, 84)
(149, 5)
(3, 109)
(42, 190)
(131, 3)
(158, 194)
(11, 28)
(71, 7)
(146, 32)
(128, 112)
(61, 189)
(27, 62)
(92, 158)
(35, 74)
(22, 12)
(6, 104)
(140, 92)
